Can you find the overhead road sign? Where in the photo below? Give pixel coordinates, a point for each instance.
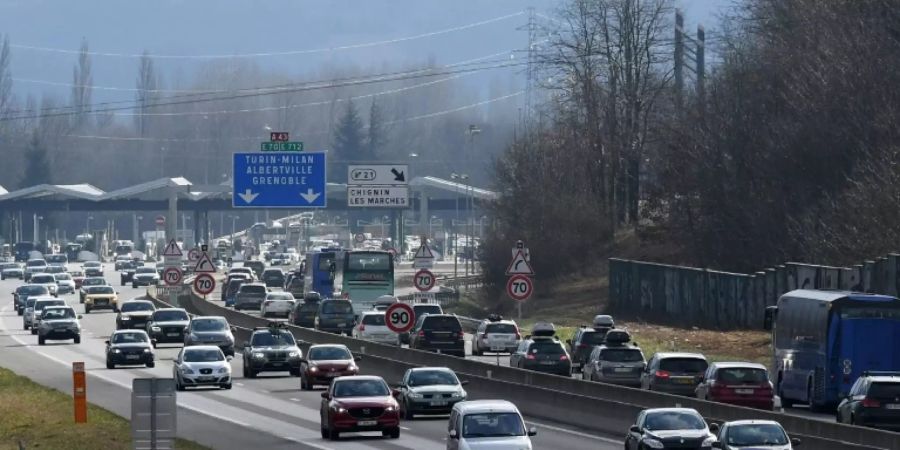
(519, 287)
(279, 136)
(279, 180)
(378, 174)
(281, 146)
(378, 196)
(399, 317)
(519, 265)
(172, 249)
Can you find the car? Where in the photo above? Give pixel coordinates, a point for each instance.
(167, 325)
(250, 296)
(304, 313)
(277, 304)
(33, 266)
(134, 314)
(615, 364)
(59, 323)
(277, 260)
(33, 317)
(87, 282)
(11, 270)
(210, 330)
(737, 383)
(57, 260)
(271, 349)
(670, 428)
(256, 267)
(54, 270)
(440, 333)
(542, 352)
(160, 268)
(28, 315)
(243, 269)
(233, 283)
(295, 285)
(674, 373)
(420, 309)
(201, 365)
(22, 293)
(126, 274)
(77, 277)
(325, 362)
(496, 335)
(121, 262)
(487, 424)
(429, 390)
(100, 297)
(372, 327)
(47, 280)
(144, 276)
(754, 435)
(582, 344)
(359, 403)
(64, 283)
(273, 278)
(128, 348)
(873, 401)
(92, 269)
(335, 316)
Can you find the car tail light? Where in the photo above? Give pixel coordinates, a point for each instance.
(421, 333)
(870, 403)
(563, 358)
(518, 336)
(662, 374)
(718, 389)
(530, 356)
(362, 327)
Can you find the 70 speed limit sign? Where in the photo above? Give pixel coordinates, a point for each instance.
(519, 287)
(172, 276)
(423, 280)
(399, 317)
(204, 284)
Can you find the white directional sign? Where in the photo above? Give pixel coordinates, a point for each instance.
(204, 265)
(519, 265)
(378, 174)
(378, 196)
(172, 249)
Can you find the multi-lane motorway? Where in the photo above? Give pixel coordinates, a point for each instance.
(270, 411)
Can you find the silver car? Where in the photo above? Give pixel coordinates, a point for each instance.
(617, 364)
(34, 321)
(47, 279)
(495, 335)
(429, 390)
(372, 327)
(59, 323)
(64, 283)
(201, 365)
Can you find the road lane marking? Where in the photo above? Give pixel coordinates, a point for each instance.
(573, 432)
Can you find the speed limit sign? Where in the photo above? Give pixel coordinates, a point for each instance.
(172, 276)
(519, 287)
(423, 280)
(204, 284)
(399, 317)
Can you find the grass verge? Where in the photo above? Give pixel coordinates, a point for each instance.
(39, 417)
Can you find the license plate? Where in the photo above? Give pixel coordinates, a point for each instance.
(892, 405)
(331, 374)
(744, 391)
(367, 423)
(438, 403)
(340, 325)
(548, 363)
(684, 381)
(497, 348)
(277, 364)
(172, 334)
(132, 356)
(622, 369)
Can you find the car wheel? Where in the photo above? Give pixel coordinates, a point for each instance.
(33, 330)
(251, 373)
(393, 433)
(110, 365)
(81, 300)
(295, 372)
(77, 339)
(852, 419)
(134, 285)
(304, 385)
(24, 326)
(333, 435)
(406, 412)
(123, 282)
(179, 386)
(226, 386)
(324, 432)
(20, 312)
(151, 364)
(87, 309)
(41, 340)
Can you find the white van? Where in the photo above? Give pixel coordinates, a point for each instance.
(487, 423)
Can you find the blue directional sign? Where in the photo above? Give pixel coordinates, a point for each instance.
(279, 180)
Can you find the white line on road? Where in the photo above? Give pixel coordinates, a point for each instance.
(575, 433)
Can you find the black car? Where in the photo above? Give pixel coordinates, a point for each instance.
(304, 313)
(273, 278)
(873, 401)
(438, 333)
(335, 316)
(128, 348)
(126, 274)
(21, 294)
(271, 349)
(144, 276)
(662, 428)
(256, 266)
(250, 296)
(582, 344)
(420, 309)
(93, 270)
(167, 325)
(134, 314)
(541, 354)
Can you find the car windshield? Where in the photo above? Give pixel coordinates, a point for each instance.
(36, 263)
(328, 353)
(546, 348)
(361, 388)
(32, 290)
(337, 307)
(30, 302)
(742, 375)
(76, 273)
(308, 309)
(40, 305)
(208, 325)
(592, 337)
(169, 316)
(427, 309)
(671, 420)
(441, 323)
(884, 390)
(280, 296)
(252, 289)
(58, 313)
(43, 279)
(100, 290)
(267, 339)
(683, 365)
(128, 338)
(432, 377)
(373, 319)
(621, 355)
(145, 270)
(9, 266)
(203, 355)
(502, 328)
(63, 277)
(492, 425)
(137, 306)
(91, 264)
(94, 282)
(756, 434)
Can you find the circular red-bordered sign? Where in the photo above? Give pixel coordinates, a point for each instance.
(400, 317)
(160, 220)
(172, 276)
(359, 238)
(204, 284)
(194, 255)
(519, 287)
(423, 280)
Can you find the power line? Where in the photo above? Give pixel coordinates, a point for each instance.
(284, 53)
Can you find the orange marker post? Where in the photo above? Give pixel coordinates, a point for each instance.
(79, 392)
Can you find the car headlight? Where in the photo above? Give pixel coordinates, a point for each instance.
(115, 350)
(708, 442)
(294, 354)
(458, 394)
(259, 355)
(156, 329)
(222, 370)
(339, 409)
(313, 369)
(124, 318)
(146, 350)
(188, 371)
(391, 408)
(413, 394)
(352, 368)
(653, 443)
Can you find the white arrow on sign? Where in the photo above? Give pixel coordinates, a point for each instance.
(310, 196)
(248, 196)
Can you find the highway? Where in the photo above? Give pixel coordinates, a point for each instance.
(270, 411)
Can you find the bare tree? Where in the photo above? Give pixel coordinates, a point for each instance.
(6, 83)
(82, 81)
(147, 92)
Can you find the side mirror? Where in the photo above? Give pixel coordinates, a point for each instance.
(79, 316)
(769, 318)
(233, 329)
(325, 395)
(569, 341)
(107, 342)
(635, 429)
(714, 428)
(532, 431)
(357, 358)
(395, 392)
(464, 382)
(795, 442)
(717, 444)
(229, 358)
(453, 434)
(153, 341)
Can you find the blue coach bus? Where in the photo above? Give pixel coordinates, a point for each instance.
(824, 340)
(320, 271)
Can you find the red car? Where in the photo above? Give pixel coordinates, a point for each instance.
(359, 403)
(77, 277)
(324, 363)
(737, 383)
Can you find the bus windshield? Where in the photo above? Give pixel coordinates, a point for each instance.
(368, 261)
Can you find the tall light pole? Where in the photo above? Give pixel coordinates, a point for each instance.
(472, 131)
(87, 229)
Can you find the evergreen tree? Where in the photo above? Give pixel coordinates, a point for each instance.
(377, 132)
(349, 144)
(37, 163)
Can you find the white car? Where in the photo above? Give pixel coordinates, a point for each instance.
(47, 280)
(201, 365)
(33, 318)
(277, 304)
(373, 328)
(65, 284)
(754, 435)
(483, 424)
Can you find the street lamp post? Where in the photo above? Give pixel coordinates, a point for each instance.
(87, 229)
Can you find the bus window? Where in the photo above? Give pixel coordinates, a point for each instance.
(368, 261)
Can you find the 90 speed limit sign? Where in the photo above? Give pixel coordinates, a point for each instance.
(423, 280)
(400, 317)
(204, 284)
(519, 287)
(172, 276)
